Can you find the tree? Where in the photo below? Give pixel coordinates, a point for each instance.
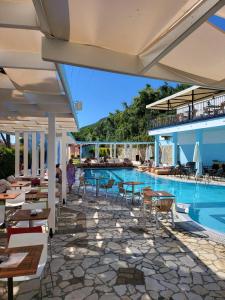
(6, 139)
(131, 124)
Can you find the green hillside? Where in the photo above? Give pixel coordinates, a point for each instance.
(131, 123)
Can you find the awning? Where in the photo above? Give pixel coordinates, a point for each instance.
(28, 124)
(29, 86)
(185, 97)
(168, 40)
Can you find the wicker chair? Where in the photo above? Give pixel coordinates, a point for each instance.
(83, 184)
(164, 206)
(147, 204)
(107, 186)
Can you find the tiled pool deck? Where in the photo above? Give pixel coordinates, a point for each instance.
(99, 252)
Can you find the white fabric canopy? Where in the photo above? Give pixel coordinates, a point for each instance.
(169, 40)
(185, 97)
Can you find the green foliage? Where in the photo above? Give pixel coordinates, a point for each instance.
(7, 162)
(103, 152)
(131, 124)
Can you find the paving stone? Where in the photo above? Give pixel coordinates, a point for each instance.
(90, 257)
(200, 290)
(146, 297)
(110, 296)
(79, 294)
(78, 272)
(120, 289)
(92, 297)
(87, 262)
(153, 285)
(179, 296)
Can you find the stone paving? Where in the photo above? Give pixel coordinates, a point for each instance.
(101, 252)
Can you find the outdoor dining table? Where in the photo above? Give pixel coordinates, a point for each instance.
(20, 184)
(97, 180)
(5, 196)
(132, 184)
(28, 266)
(25, 215)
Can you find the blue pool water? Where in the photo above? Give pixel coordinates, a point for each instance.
(207, 201)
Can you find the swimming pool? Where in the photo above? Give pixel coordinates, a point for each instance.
(207, 202)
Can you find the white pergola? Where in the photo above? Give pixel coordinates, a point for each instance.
(168, 40)
(113, 146)
(35, 98)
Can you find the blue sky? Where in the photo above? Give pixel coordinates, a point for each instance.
(102, 92)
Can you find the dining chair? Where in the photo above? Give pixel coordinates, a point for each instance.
(107, 186)
(147, 203)
(34, 205)
(164, 206)
(20, 230)
(83, 184)
(18, 201)
(32, 239)
(2, 214)
(121, 191)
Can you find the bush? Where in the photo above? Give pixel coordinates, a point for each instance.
(7, 162)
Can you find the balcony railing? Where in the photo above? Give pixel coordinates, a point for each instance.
(201, 111)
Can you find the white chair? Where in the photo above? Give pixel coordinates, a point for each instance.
(31, 239)
(2, 214)
(18, 201)
(34, 205)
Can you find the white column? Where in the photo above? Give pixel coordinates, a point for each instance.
(95, 150)
(174, 151)
(34, 155)
(98, 151)
(110, 149)
(63, 166)
(131, 152)
(25, 153)
(17, 154)
(198, 139)
(60, 151)
(42, 154)
(156, 150)
(114, 151)
(37, 159)
(51, 169)
(125, 150)
(80, 152)
(68, 152)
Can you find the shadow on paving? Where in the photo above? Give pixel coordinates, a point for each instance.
(177, 270)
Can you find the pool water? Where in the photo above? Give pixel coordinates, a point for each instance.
(207, 202)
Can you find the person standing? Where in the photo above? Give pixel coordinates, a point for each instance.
(70, 172)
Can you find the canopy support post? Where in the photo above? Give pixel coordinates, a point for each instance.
(17, 154)
(25, 153)
(174, 151)
(63, 166)
(34, 155)
(51, 169)
(198, 140)
(156, 150)
(42, 155)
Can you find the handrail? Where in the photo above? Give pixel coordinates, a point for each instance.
(206, 110)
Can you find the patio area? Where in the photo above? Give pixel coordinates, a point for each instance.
(100, 252)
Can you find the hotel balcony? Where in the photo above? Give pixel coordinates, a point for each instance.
(191, 105)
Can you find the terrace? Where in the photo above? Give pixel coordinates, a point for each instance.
(191, 105)
(98, 249)
(100, 252)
